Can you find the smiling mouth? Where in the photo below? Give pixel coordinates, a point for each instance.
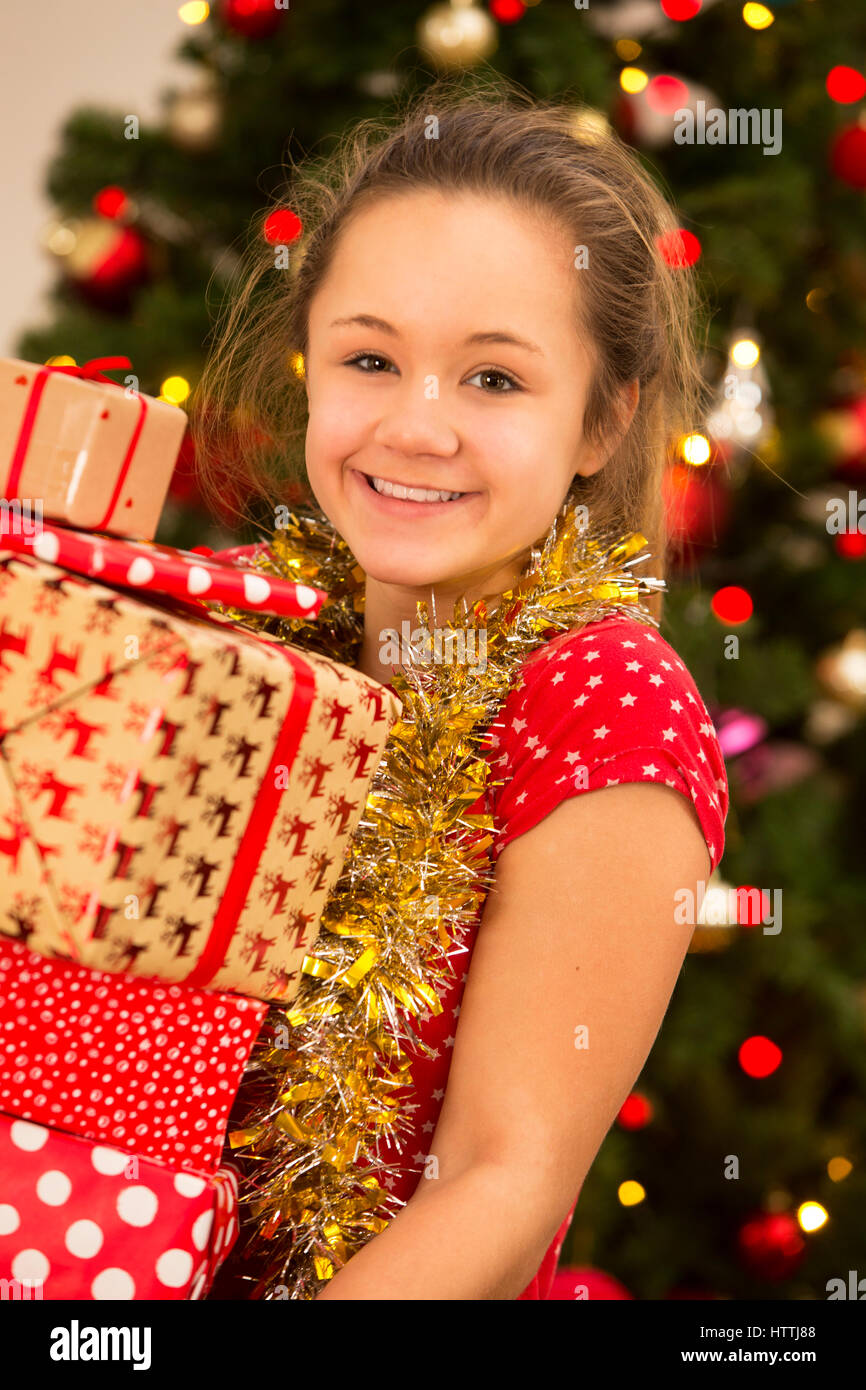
(407, 492)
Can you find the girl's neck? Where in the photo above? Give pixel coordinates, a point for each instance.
(386, 609)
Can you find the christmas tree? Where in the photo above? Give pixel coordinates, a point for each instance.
(736, 1168)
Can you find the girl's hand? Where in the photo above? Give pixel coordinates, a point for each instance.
(572, 971)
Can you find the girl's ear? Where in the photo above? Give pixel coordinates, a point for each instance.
(596, 458)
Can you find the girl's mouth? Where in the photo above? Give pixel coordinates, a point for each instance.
(407, 506)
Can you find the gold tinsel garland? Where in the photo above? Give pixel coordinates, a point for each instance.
(332, 1068)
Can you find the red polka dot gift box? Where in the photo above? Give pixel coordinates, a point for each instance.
(177, 793)
(187, 577)
(85, 449)
(87, 1221)
(115, 1097)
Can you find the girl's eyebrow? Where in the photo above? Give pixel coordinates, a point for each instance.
(371, 321)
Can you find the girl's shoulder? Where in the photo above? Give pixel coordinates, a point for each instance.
(594, 706)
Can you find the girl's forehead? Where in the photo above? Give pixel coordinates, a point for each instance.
(470, 251)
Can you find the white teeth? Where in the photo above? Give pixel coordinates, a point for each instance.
(413, 494)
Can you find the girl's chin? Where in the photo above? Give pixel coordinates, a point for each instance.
(409, 575)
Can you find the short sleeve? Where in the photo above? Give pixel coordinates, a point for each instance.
(596, 706)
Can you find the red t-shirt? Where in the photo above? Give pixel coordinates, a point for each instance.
(611, 702)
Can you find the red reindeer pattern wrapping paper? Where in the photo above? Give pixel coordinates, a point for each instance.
(142, 1066)
(176, 793)
(85, 1221)
(87, 452)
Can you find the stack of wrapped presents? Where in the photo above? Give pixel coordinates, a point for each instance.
(177, 795)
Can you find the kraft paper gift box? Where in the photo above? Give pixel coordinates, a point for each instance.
(177, 794)
(115, 1095)
(77, 447)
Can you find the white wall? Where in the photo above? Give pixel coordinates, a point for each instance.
(54, 55)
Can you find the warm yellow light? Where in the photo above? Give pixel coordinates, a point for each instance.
(633, 80)
(745, 352)
(758, 16)
(296, 362)
(196, 12)
(627, 50)
(630, 1193)
(61, 361)
(695, 449)
(811, 1216)
(174, 389)
(815, 299)
(838, 1169)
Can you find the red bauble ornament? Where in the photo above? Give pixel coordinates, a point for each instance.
(771, 1245)
(848, 155)
(571, 1283)
(507, 11)
(844, 428)
(253, 19)
(679, 248)
(697, 507)
(106, 262)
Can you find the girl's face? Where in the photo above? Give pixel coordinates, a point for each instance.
(442, 355)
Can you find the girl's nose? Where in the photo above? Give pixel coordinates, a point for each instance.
(417, 427)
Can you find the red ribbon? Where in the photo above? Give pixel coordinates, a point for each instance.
(89, 371)
(261, 819)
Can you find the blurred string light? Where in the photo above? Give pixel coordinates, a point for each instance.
(742, 416)
(636, 1112)
(630, 1193)
(839, 1168)
(759, 1056)
(633, 80)
(111, 202)
(678, 247)
(627, 50)
(745, 352)
(811, 1216)
(666, 93)
(680, 10)
(695, 450)
(174, 389)
(845, 84)
(732, 605)
(195, 12)
(758, 16)
(590, 126)
(296, 364)
(281, 226)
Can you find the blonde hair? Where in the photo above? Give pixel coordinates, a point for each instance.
(639, 312)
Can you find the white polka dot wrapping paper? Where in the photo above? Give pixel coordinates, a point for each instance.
(176, 792)
(85, 1221)
(95, 453)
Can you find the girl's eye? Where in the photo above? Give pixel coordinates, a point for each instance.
(494, 371)
(366, 357)
(485, 371)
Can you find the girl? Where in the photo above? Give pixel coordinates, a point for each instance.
(488, 331)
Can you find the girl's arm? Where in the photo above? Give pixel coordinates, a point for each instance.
(577, 942)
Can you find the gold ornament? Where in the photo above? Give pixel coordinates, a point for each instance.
(330, 1072)
(457, 35)
(194, 118)
(842, 670)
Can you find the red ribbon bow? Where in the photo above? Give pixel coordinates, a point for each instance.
(95, 369)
